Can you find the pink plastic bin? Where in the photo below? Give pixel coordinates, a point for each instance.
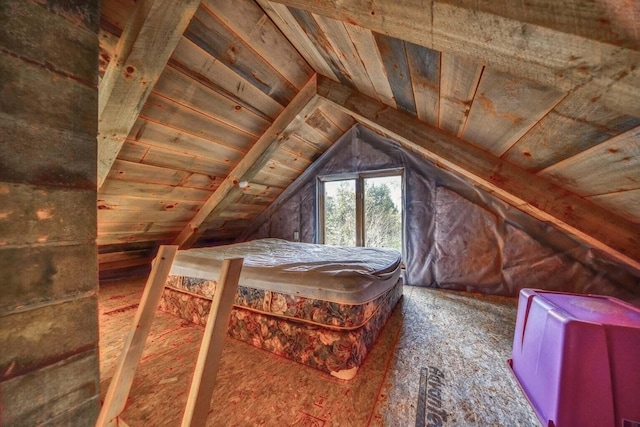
(577, 358)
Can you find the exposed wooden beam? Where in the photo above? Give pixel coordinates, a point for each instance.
(147, 42)
(524, 40)
(590, 224)
(258, 154)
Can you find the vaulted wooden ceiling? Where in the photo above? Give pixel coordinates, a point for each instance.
(537, 102)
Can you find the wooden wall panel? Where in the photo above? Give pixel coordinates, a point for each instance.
(48, 257)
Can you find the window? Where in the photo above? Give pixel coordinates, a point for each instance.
(364, 209)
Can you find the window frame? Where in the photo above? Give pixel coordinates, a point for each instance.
(359, 178)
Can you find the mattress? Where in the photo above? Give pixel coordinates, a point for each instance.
(323, 306)
(344, 275)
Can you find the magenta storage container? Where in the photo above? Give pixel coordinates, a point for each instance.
(577, 358)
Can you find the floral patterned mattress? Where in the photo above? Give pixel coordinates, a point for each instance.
(334, 338)
(319, 305)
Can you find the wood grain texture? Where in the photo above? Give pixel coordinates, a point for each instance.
(180, 88)
(207, 70)
(344, 51)
(149, 37)
(612, 23)
(260, 150)
(182, 141)
(369, 54)
(149, 190)
(610, 167)
(394, 57)
(321, 43)
(505, 108)
(585, 221)
(582, 120)
(424, 65)
(179, 117)
(248, 20)
(512, 44)
(134, 151)
(213, 36)
(458, 84)
(623, 203)
(281, 16)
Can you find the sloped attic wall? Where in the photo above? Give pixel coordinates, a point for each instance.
(456, 236)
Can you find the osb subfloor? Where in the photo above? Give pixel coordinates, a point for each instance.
(459, 343)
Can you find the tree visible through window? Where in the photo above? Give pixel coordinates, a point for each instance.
(377, 222)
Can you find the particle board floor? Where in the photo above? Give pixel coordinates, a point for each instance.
(457, 342)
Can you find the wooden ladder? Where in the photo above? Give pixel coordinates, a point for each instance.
(201, 391)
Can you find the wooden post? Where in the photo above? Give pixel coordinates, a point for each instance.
(120, 385)
(199, 400)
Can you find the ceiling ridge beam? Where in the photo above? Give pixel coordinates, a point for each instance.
(255, 158)
(595, 226)
(147, 42)
(518, 44)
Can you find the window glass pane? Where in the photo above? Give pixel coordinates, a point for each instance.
(383, 212)
(340, 213)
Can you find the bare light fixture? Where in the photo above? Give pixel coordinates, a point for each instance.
(243, 184)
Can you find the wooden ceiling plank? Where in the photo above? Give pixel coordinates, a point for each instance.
(105, 229)
(609, 167)
(179, 117)
(149, 37)
(259, 152)
(313, 31)
(345, 52)
(511, 44)
(342, 121)
(583, 123)
(624, 203)
(147, 190)
(155, 156)
(123, 170)
(213, 36)
(459, 79)
(182, 89)
(161, 136)
(424, 65)
(548, 202)
(111, 202)
(505, 108)
(199, 65)
(394, 57)
(368, 52)
(609, 22)
(247, 20)
(281, 16)
(117, 216)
